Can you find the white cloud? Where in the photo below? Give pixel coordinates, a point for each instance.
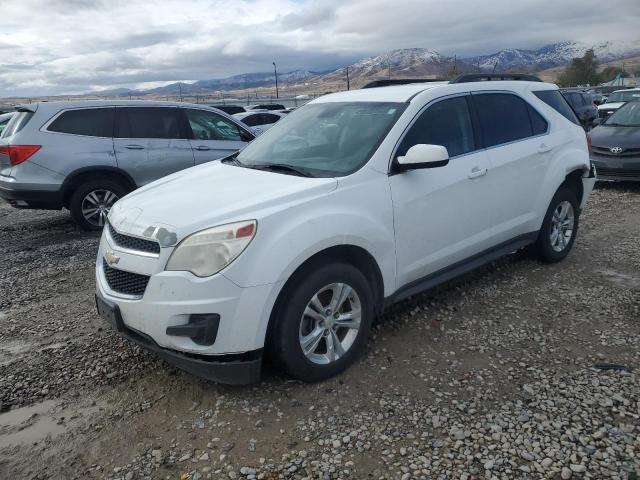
(62, 46)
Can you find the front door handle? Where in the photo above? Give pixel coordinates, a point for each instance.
(478, 172)
(202, 148)
(544, 148)
(134, 147)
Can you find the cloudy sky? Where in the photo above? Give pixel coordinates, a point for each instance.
(67, 46)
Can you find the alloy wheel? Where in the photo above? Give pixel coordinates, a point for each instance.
(562, 225)
(96, 206)
(330, 323)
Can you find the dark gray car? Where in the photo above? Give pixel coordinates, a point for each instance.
(582, 104)
(86, 155)
(616, 145)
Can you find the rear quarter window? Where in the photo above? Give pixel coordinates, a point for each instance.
(17, 123)
(92, 122)
(555, 100)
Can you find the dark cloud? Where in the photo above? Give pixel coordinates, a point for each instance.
(67, 46)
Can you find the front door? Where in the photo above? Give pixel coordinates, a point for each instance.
(214, 136)
(150, 142)
(441, 215)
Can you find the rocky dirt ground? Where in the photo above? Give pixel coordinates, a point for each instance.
(499, 375)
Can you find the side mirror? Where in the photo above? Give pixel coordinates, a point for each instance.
(424, 156)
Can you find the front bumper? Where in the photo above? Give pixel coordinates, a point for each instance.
(617, 168)
(233, 369)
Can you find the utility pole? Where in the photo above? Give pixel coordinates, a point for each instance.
(389, 67)
(275, 71)
(348, 85)
(180, 88)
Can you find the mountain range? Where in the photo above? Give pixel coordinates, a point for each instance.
(407, 63)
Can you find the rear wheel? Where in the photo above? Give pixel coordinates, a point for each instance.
(325, 322)
(91, 202)
(559, 228)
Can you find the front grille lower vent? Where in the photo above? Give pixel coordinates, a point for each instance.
(127, 283)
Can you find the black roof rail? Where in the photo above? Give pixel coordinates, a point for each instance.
(399, 81)
(487, 77)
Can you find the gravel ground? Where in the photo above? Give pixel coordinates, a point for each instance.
(498, 375)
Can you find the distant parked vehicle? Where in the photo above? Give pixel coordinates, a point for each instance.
(230, 109)
(582, 104)
(616, 100)
(267, 106)
(259, 121)
(615, 149)
(86, 155)
(4, 120)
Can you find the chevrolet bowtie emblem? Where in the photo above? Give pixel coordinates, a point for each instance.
(111, 258)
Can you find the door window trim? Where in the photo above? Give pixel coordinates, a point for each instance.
(220, 113)
(547, 131)
(392, 170)
(170, 107)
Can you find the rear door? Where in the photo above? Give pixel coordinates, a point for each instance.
(519, 147)
(442, 215)
(213, 136)
(151, 142)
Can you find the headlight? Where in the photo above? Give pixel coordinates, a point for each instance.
(209, 251)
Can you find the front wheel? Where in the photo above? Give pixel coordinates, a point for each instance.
(559, 228)
(325, 322)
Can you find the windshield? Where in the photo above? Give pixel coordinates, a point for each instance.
(626, 116)
(324, 139)
(627, 96)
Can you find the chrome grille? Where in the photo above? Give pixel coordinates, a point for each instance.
(134, 243)
(127, 283)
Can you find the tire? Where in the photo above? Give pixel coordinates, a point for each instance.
(293, 326)
(105, 193)
(551, 246)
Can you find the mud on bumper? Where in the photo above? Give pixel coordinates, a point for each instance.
(240, 369)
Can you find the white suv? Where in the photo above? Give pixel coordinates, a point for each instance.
(353, 202)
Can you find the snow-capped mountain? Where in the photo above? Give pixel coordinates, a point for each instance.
(551, 55)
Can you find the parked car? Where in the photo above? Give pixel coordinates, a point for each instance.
(582, 104)
(259, 122)
(358, 200)
(230, 109)
(267, 106)
(597, 98)
(616, 145)
(4, 120)
(86, 155)
(616, 100)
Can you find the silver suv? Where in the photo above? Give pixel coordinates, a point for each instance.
(85, 155)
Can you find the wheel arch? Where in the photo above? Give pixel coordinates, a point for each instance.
(347, 253)
(573, 181)
(77, 177)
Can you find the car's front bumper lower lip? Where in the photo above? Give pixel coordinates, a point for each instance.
(238, 369)
(620, 169)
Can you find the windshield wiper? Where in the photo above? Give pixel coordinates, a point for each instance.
(281, 167)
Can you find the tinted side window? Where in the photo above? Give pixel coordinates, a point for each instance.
(504, 117)
(252, 120)
(555, 100)
(94, 122)
(538, 124)
(148, 122)
(211, 126)
(446, 123)
(268, 118)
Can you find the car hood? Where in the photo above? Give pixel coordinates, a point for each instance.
(610, 106)
(607, 137)
(208, 195)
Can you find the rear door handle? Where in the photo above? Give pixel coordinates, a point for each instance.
(544, 148)
(478, 172)
(134, 147)
(202, 148)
